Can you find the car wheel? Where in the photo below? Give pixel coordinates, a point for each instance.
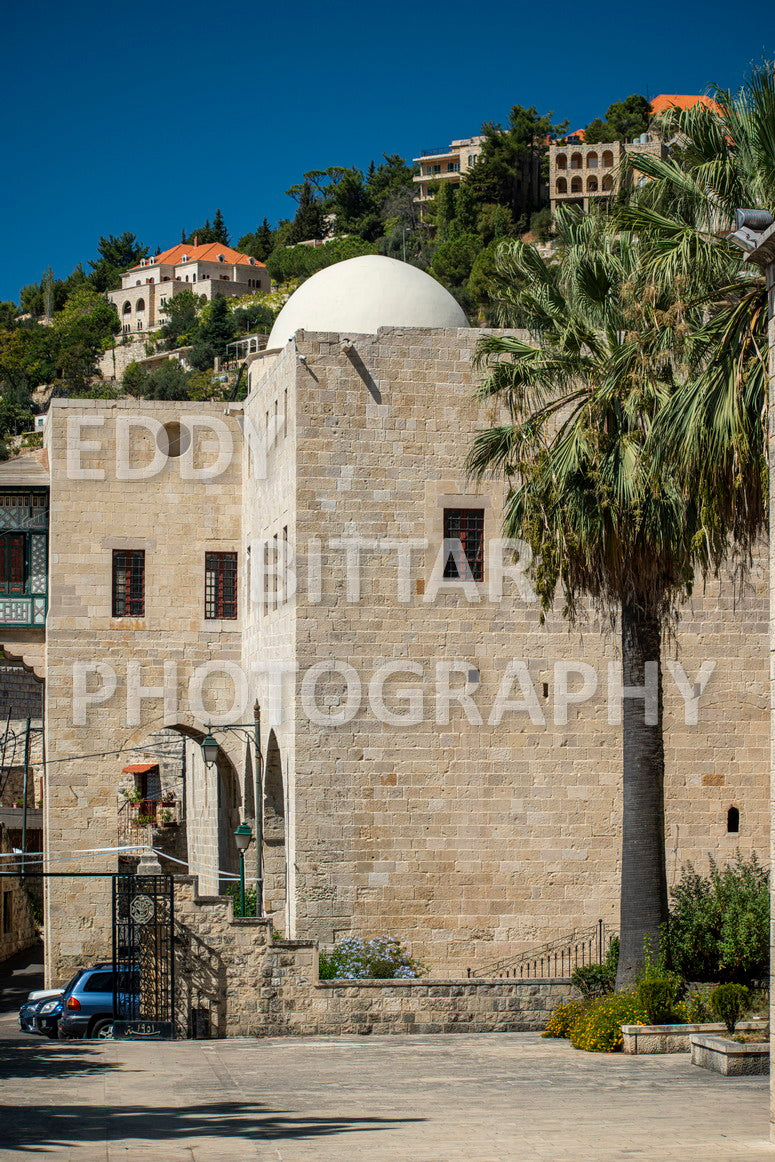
(102, 1030)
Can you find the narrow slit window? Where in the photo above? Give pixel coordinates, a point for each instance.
(284, 565)
(129, 582)
(733, 821)
(220, 586)
(464, 543)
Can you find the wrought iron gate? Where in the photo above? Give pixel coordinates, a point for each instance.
(143, 956)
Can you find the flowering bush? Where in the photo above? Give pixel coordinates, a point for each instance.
(563, 1019)
(598, 1028)
(694, 1008)
(378, 958)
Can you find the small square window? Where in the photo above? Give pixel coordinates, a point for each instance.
(129, 582)
(464, 528)
(220, 586)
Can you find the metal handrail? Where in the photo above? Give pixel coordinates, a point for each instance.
(556, 958)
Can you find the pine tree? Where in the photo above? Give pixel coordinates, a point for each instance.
(309, 221)
(265, 239)
(219, 231)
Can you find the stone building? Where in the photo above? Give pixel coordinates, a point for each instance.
(210, 270)
(437, 761)
(444, 165)
(582, 174)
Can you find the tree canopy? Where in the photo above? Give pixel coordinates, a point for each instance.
(624, 120)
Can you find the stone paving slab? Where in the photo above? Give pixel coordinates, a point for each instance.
(508, 1097)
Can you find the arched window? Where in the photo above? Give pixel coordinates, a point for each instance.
(562, 186)
(608, 159)
(575, 186)
(733, 821)
(592, 161)
(562, 161)
(608, 182)
(591, 185)
(127, 308)
(575, 161)
(140, 305)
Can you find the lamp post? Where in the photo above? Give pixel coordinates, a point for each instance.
(209, 746)
(242, 838)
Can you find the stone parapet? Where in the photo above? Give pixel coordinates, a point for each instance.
(235, 979)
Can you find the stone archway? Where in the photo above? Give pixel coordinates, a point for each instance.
(275, 859)
(207, 803)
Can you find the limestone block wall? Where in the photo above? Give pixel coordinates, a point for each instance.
(174, 520)
(251, 985)
(474, 838)
(116, 359)
(269, 644)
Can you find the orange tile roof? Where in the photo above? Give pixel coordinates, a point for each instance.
(579, 134)
(666, 101)
(208, 252)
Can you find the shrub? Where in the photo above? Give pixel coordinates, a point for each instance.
(250, 900)
(380, 958)
(598, 1029)
(719, 924)
(541, 224)
(597, 980)
(659, 1000)
(563, 1019)
(695, 1007)
(659, 989)
(729, 1002)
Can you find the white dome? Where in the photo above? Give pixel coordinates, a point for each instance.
(360, 295)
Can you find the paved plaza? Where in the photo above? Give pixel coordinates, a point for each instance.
(478, 1097)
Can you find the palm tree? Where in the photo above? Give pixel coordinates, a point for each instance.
(714, 428)
(606, 522)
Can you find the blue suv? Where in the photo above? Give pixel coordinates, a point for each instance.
(87, 1003)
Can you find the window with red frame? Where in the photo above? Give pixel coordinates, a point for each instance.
(220, 586)
(464, 537)
(129, 582)
(13, 573)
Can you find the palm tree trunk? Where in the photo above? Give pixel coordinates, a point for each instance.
(643, 900)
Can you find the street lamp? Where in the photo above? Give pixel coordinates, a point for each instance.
(242, 837)
(252, 732)
(209, 750)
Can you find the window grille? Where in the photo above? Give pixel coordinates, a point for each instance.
(464, 528)
(220, 586)
(129, 582)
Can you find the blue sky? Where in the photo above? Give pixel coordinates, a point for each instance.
(147, 116)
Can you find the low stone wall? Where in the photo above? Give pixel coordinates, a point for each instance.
(234, 979)
(720, 1055)
(438, 1006)
(676, 1038)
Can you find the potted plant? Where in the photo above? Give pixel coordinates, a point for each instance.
(166, 819)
